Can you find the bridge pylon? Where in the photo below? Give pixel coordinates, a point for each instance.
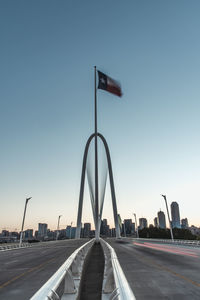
(97, 216)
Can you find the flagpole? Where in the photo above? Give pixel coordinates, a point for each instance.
(96, 160)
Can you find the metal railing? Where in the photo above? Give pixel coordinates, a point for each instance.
(169, 241)
(14, 246)
(115, 285)
(66, 280)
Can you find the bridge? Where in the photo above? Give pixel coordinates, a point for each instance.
(153, 269)
(112, 268)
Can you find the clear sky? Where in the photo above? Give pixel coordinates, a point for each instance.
(48, 50)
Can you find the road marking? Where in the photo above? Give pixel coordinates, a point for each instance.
(25, 273)
(11, 262)
(152, 262)
(178, 275)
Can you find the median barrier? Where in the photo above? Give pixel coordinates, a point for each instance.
(115, 284)
(64, 284)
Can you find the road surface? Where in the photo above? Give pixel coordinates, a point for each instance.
(24, 271)
(159, 271)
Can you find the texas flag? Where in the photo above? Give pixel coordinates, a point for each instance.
(108, 84)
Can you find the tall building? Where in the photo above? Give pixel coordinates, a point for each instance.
(73, 232)
(175, 215)
(51, 234)
(28, 234)
(113, 232)
(161, 220)
(142, 223)
(133, 228)
(155, 220)
(69, 232)
(104, 230)
(86, 230)
(42, 230)
(5, 233)
(128, 226)
(184, 223)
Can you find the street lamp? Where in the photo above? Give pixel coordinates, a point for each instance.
(137, 233)
(57, 234)
(21, 233)
(170, 224)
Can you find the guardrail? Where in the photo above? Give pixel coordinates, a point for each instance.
(115, 285)
(66, 280)
(186, 242)
(14, 246)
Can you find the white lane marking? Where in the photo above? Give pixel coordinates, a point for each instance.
(11, 262)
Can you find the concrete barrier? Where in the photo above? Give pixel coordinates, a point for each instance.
(115, 285)
(65, 282)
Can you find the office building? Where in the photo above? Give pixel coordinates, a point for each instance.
(68, 232)
(155, 221)
(142, 223)
(5, 233)
(42, 230)
(175, 215)
(28, 234)
(113, 232)
(86, 230)
(104, 229)
(128, 226)
(161, 220)
(184, 223)
(133, 228)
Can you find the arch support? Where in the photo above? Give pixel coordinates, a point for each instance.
(112, 187)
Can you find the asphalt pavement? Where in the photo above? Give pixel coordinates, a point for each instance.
(159, 271)
(24, 271)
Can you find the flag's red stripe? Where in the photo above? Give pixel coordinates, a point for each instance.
(114, 90)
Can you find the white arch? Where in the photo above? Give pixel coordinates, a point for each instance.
(112, 188)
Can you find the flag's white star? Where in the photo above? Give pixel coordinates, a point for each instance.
(103, 80)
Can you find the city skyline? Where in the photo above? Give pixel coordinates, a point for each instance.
(127, 225)
(159, 221)
(47, 107)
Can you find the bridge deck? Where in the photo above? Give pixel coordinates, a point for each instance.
(24, 271)
(157, 271)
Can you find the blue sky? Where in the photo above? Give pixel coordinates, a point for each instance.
(48, 50)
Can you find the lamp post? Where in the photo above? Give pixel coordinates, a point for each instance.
(137, 233)
(170, 224)
(57, 234)
(21, 233)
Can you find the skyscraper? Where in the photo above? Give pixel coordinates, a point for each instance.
(104, 230)
(133, 228)
(161, 220)
(86, 229)
(142, 223)
(128, 226)
(155, 220)
(42, 229)
(28, 234)
(175, 215)
(184, 223)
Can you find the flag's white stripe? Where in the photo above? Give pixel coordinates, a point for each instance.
(111, 82)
